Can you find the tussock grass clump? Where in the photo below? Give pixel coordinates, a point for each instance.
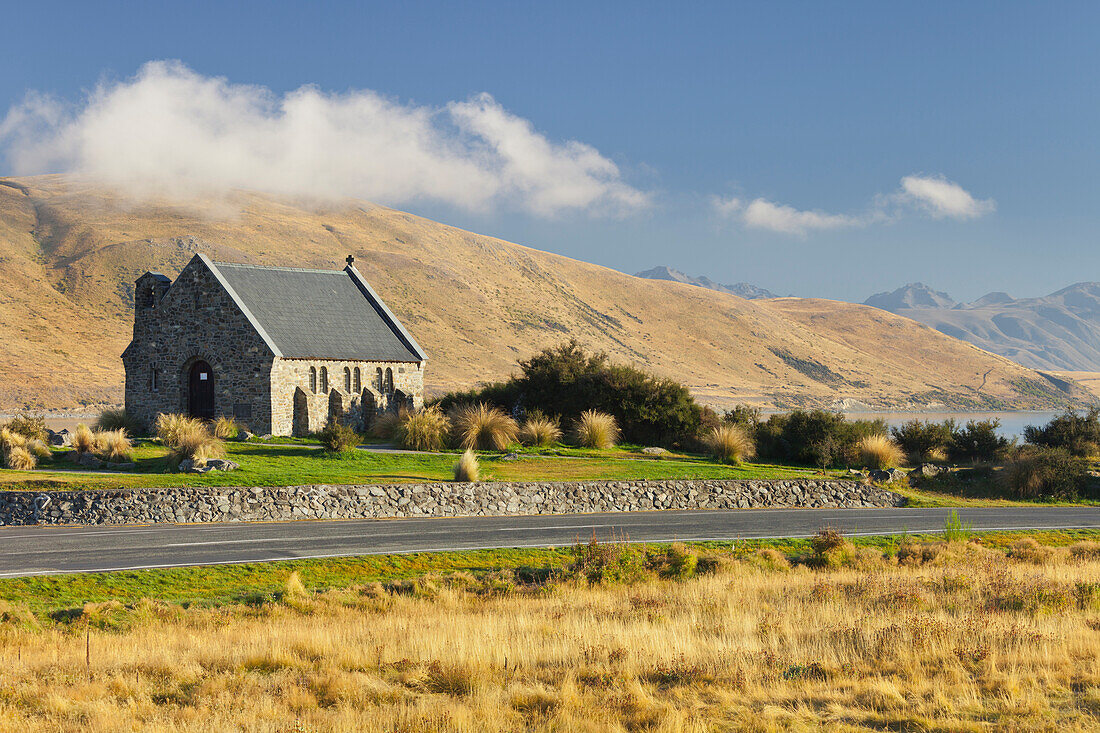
(170, 425)
(879, 451)
(117, 419)
(483, 427)
(424, 429)
(39, 449)
(468, 468)
(113, 445)
(18, 458)
(730, 444)
(385, 425)
(83, 439)
(225, 428)
(339, 438)
(540, 431)
(596, 430)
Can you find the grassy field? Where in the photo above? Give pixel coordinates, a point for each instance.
(889, 634)
(276, 465)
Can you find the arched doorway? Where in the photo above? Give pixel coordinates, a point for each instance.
(301, 413)
(200, 391)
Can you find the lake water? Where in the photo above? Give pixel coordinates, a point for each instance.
(1012, 423)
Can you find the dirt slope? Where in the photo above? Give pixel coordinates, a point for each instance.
(70, 251)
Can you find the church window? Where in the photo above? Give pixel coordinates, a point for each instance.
(358, 381)
(378, 383)
(154, 380)
(313, 380)
(389, 381)
(324, 379)
(347, 379)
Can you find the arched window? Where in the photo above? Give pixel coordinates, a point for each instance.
(313, 380)
(389, 381)
(347, 379)
(378, 383)
(358, 381)
(324, 379)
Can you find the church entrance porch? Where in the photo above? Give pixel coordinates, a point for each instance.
(200, 391)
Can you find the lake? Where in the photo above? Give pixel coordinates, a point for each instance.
(1012, 423)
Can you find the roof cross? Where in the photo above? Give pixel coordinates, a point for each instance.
(350, 260)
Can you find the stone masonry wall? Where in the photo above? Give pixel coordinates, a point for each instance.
(290, 380)
(223, 504)
(195, 320)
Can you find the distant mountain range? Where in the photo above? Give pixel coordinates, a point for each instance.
(1060, 331)
(742, 290)
(1057, 332)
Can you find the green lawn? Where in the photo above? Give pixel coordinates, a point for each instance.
(277, 465)
(228, 584)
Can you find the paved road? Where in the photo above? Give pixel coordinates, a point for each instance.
(51, 549)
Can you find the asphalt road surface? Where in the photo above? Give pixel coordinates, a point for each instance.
(66, 549)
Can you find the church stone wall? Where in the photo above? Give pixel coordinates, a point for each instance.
(291, 382)
(197, 319)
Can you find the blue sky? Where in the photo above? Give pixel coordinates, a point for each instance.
(687, 116)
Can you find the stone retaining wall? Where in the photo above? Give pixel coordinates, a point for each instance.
(234, 504)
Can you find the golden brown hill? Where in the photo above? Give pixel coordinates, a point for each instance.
(70, 252)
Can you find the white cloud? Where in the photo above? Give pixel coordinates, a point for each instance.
(933, 195)
(170, 130)
(943, 198)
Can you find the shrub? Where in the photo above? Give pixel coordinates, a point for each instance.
(924, 441)
(467, 467)
(117, 419)
(18, 458)
(955, 530)
(678, 562)
(225, 428)
(338, 438)
(541, 431)
(743, 415)
(814, 437)
(1038, 472)
(1078, 434)
(113, 445)
(878, 451)
(607, 562)
(83, 439)
(978, 441)
(425, 429)
(596, 430)
(29, 427)
(730, 443)
(483, 426)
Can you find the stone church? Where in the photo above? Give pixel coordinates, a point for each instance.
(280, 349)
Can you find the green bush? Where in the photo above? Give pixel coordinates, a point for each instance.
(924, 440)
(1078, 434)
(978, 441)
(338, 438)
(1039, 472)
(814, 437)
(30, 427)
(566, 380)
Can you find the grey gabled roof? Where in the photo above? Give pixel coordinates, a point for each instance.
(317, 314)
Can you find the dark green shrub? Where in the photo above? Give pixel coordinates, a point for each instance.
(339, 438)
(1078, 434)
(607, 562)
(1038, 472)
(925, 440)
(814, 437)
(978, 441)
(743, 415)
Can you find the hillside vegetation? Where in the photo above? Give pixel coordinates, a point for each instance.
(71, 251)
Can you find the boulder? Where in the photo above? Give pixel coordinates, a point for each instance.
(62, 439)
(510, 457)
(221, 464)
(89, 461)
(885, 477)
(654, 451)
(243, 436)
(926, 470)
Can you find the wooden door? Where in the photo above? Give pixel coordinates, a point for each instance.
(200, 391)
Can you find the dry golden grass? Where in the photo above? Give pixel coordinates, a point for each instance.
(168, 427)
(483, 427)
(467, 468)
(225, 427)
(596, 430)
(188, 437)
(540, 431)
(18, 458)
(425, 429)
(730, 443)
(880, 451)
(113, 445)
(967, 641)
(83, 439)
